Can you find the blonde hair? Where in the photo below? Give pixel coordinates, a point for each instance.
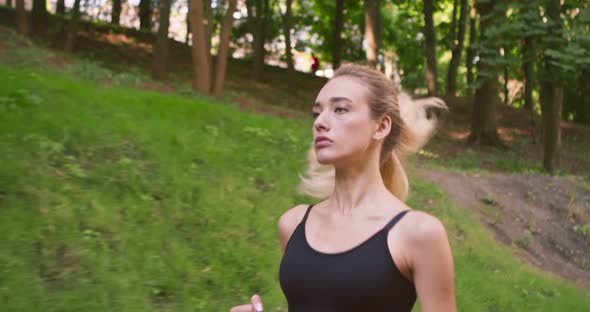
(412, 125)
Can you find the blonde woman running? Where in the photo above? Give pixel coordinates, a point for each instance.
(362, 248)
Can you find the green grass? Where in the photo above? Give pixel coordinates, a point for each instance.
(124, 200)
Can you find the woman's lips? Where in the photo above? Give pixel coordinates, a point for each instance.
(321, 143)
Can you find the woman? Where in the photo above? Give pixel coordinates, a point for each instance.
(362, 248)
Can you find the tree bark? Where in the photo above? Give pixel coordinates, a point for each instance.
(262, 10)
(337, 34)
(145, 15)
(160, 47)
(471, 49)
(528, 68)
(188, 29)
(372, 31)
(23, 20)
(39, 15)
(73, 27)
(552, 91)
(60, 7)
(201, 66)
(208, 21)
(289, 55)
(430, 47)
(484, 129)
(116, 12)
(223, 48)
(456, 49)
(506, 78)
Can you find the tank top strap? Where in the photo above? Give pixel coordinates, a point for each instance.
(307, 213)
(395, 219)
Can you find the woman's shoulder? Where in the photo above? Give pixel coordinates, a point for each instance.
(292, 217)
(289, 221)
(421, 228)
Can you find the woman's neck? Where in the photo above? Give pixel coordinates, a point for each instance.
(357, 187)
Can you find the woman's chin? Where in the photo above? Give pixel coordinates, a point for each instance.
(325, 159)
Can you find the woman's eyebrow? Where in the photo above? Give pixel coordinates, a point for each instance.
(334, 100)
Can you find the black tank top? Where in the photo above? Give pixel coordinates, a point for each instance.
(364, 278)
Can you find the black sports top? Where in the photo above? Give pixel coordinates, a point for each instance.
(364, 278)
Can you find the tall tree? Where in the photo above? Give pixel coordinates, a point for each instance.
(223, 48)
(21, 15)
(201, 66)
(60, 7)
(39, 15)
(287, 34)
(337, 34)
(552, 89)
(208, 22)
(160, 47)
(188, 28)
(372, 26)
(471, 49)
(528, 69)
(145, 15)
(484, 129)
(116, 12)
(73, 27)
(456, 46)
(430, 46)
(530, 17)
(259, 17)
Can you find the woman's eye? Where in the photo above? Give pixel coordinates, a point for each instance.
(314, 115)
(340, 109)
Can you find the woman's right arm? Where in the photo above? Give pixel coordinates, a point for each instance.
(286, 226)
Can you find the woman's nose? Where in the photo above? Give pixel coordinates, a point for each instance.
(320, 122)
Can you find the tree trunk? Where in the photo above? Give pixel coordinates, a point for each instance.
(287, 34)
(60, 7)
(188, 28)
(262, 9)
(224, 47)
(23, 21)
(430, 47)
(372, 31)
(208, 21)
(39, 15)
(506, 78)
(201, 66)
(456, 49)
(552, 92)
(116, 12)
(9, 3)
(73, 27)
(471, 49)
(337, 34)
(160, 47)
(528, 68)
(145, 15)
(484, 129)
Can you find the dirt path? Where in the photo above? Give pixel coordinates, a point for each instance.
(545, 219)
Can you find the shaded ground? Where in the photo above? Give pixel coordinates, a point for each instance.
(546, 219)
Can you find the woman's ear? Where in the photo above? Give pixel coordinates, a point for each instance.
(383, 127)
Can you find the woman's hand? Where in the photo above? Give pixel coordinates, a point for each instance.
(255, 305)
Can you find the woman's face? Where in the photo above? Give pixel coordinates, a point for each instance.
(343, 127)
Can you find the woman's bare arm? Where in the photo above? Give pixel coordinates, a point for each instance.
(432, 265)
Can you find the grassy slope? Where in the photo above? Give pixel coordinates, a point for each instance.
(125, 200)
